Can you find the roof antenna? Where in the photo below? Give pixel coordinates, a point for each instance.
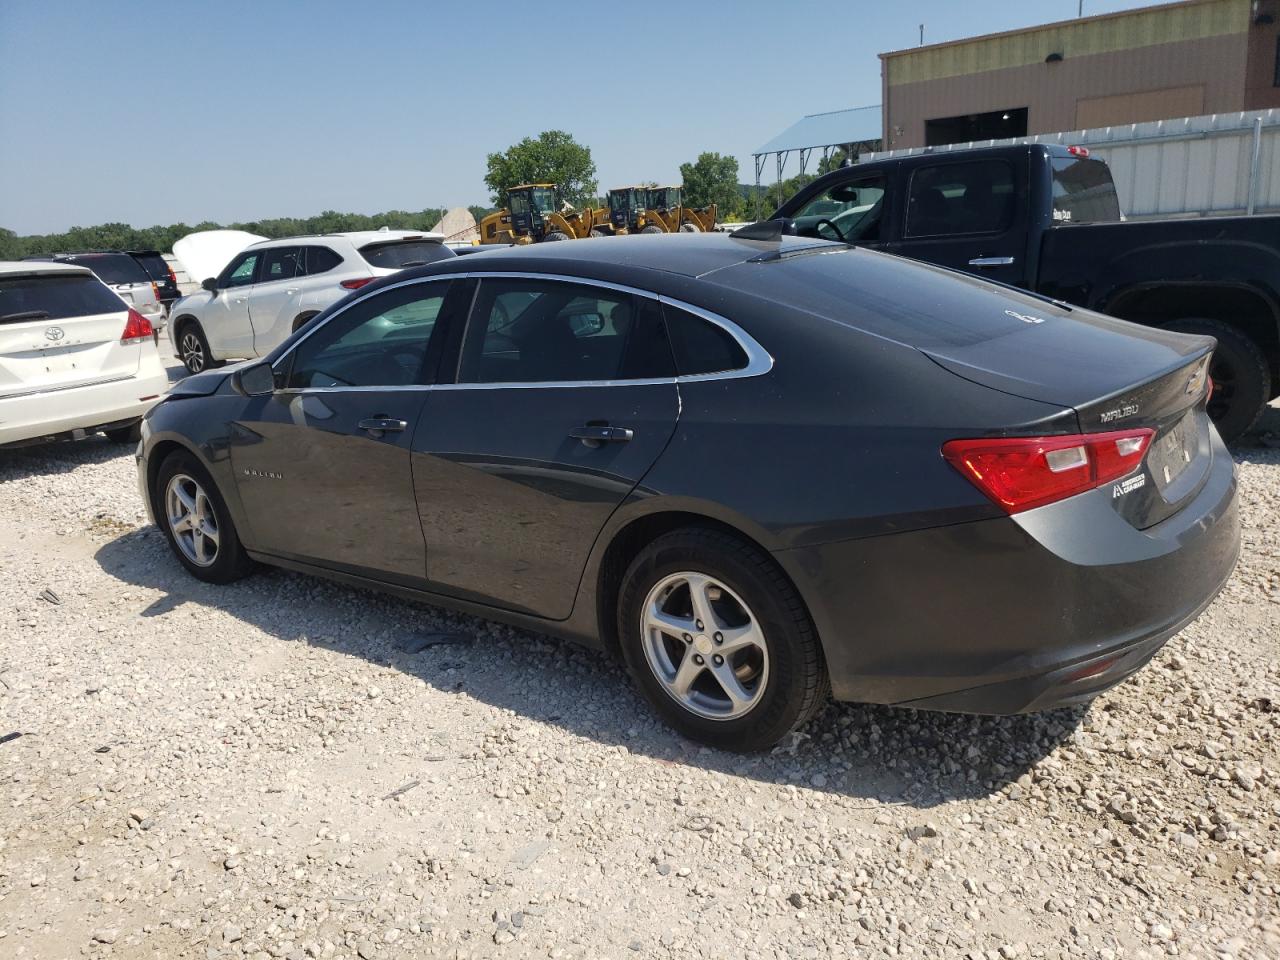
(922, 31)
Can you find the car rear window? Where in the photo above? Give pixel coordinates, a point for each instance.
(1083, 191)
(155, 266)
(398, 254)
(111, 267)
(54, 298)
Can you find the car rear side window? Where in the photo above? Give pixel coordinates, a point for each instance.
(279, 263)
(545, 331)
(39, 298)
(959, 198)
(701, 346)
(398, 254)
(1083, 191)
(319, 260)
(378, 342)
(112, 267)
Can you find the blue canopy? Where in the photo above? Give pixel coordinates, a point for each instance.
(856, 125)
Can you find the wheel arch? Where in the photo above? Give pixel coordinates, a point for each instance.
(632, 535)
(1246, 307)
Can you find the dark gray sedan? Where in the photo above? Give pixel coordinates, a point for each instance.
(760, 470)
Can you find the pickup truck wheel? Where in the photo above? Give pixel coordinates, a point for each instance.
(1241, 377)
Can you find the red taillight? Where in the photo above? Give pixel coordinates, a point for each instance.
(173, 277)
(1078, 151)
(136, 328)
(1024, 472)
(357, 283)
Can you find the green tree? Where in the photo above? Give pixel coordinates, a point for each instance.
(554, 157)
(712, 178)
(11, 245)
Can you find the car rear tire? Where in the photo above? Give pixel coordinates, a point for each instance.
(193, 348)
(196, 521)
(741, 681)
(1241, 376)
(301, 321)
(129, 434)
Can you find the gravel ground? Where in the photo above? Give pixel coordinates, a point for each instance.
(262, 770)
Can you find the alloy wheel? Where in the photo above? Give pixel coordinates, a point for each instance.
(192, 351)
(704, 645)
(192, 521)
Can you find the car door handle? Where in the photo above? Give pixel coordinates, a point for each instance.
(991, 262)
(377, 426)
(594, 434)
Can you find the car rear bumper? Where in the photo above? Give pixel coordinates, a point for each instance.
(75, 410)
(1043, 609)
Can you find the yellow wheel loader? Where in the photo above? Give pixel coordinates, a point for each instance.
(534, 214)
(627, 213)
(666, 206)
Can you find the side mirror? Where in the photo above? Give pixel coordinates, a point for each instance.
(210, 284)
(256, 380)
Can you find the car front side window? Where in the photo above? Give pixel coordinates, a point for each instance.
(378, 342)
(546, 331)
(848, 212)
(240, 273)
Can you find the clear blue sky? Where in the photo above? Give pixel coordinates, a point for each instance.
(151, 112)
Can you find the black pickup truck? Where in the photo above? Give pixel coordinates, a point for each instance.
(1046, 218)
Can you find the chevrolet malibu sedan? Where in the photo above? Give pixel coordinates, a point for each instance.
(760, 470)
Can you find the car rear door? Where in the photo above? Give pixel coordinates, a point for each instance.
(322, 465)
(565, 397)
(274, 298)
(970, 215)
(60, 330)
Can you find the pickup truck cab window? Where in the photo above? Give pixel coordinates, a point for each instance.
(970, 197)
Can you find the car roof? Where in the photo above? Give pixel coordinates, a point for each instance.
(29, 267)
(684, 254)
(357, 237)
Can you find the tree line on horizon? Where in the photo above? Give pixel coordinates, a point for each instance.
(554, 156)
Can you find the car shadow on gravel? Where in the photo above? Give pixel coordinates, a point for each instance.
(880, 754)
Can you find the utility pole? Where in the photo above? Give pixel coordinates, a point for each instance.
(1080, 10)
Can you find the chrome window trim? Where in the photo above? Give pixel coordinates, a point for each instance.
(759, 360)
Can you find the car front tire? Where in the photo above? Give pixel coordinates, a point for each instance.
(193, 348)
(196, 521)
(719, 641)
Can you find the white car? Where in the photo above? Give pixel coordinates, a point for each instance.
(74, 357)
(273, 287)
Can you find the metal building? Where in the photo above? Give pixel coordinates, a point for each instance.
(1182, 59)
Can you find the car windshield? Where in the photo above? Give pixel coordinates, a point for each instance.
(398, 254)
(1083, 191)
(54, 298)
(111, 267)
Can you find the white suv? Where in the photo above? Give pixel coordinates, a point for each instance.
(271, 288)
(74, 357)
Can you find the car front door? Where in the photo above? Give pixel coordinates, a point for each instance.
(226, 318)
(565, 397)
(273, 299)
(969, 215)
(322, 465)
